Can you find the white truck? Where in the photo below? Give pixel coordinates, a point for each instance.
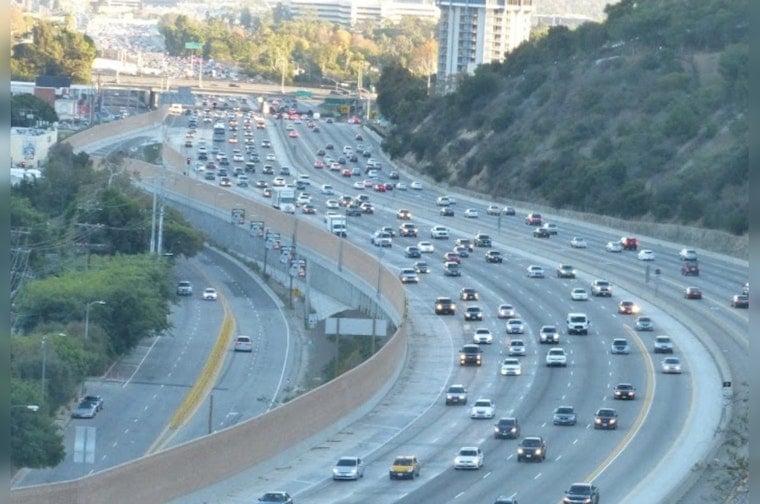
(336, 224)
(284, 198)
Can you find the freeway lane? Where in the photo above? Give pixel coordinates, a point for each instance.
(364, 226)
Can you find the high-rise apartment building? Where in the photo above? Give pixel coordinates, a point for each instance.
(473, 32)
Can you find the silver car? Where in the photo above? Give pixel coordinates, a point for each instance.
(644, 323)
(348, 468)
(515, 326)
(517, 347)
(619, 346)
(564, 415)
(671, 365)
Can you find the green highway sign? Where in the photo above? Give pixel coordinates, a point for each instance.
(193, 45)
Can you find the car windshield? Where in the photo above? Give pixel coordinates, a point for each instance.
(506, 422)
(549, 329)
(456, 390)
(580, 490)
(605, 413)
(482, 403)
(346, 462)
(531, 442)
(468, 452)
(403, 461)
(564, 410)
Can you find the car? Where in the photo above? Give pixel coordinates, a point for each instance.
(405, 467)
(279, 497)
(452, 257)
(482, 240)
(184, 288)
(445, 306)
(412, 252)
(506, 311)
(541, 233)
(268, 169)
(465, 242)
(564, 415)
(243, 344)
(348, 468)
(624, 391)
(548, 334)
(534, 219)
(97, 400)
(404, 214)
(556, 357)
(408, 275)
(451, 268)
(690, 268)
(629, 243)
(535, 271)
(663, 344)
(443, 201)
(439, 233)
(462, 251)
(645, 255)
(303, 199)
(628, 307)
(209, 294)
(601, 288)
(483, 408)
(470, 354)
(510, 367)
(468, 294)
(482, 335)
(692, 293)
(619, 346)
(407, 229)
(426, 247)
(388, 229)
(421, 267)
(473, 313)
(644, 323)
(446, 212)
(456, 394)
(469, 457)
(579, 294)
(550, 227)
(532, 448)
(506, 428)
(319, 164)
(605, 418)
(393, 174)
(515, 326)
(493, 210)
(577, 323)
(225, 182)
(309, 209)
(470, 213)
(379, 188)
(353, 210)
(566, 271)
(613, 247)
(581, 493)
(508, 210)
(332, 204)
(85, 409)
(671, 365)
(417, 186)
(400, 186)
(270, 157)
(740, 301)
(687, 254)
(578, 242)
(516, 347)
(381, 239)
(279, 182)
(494, 256)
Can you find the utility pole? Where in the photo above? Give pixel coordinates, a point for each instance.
(44, 364)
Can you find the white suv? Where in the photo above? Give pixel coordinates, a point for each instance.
(556, 357)
(663, 344)
(577, 323)
(687, 254)
(439, 232)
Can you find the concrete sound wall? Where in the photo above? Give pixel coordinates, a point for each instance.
(180, 470)
(115, 131)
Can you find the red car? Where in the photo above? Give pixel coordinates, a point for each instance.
(319, 164)
(380, 187)
(692, 293)
(452, 257)
(346, 172)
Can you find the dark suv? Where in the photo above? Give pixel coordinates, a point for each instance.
(690, 268)
(445, 306)
(471, 355)
(532, 448)
(506, 428)
(482, 240)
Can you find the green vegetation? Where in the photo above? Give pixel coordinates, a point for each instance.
(80, 235)
(28, 110)
(642, 116)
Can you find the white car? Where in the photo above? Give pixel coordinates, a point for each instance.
(471, 213)
(426, 247)
(493, 210)
(687, 254)
(511, 367)
(381, 239)
(327, 189)
(348, 468)
(209, 294)
(417, 186)
(613, 247)
(515, 326)
(238, 158)
(401, 186)
(556, 357)
(439, 232)
(483, 408)
(645, 255)
(332, 204)
(303, 199)
(443, 201)
(506, 311)
(243, 344)
(535, 271)
(271, 157)
(482, 335)
(579, 294)
(671, 365)
(279, 182)
(578, 242)
(517, 347)
(469, 457)
(359, 185)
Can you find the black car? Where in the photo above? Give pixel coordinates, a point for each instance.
(532, 448)
(541, 233)
(445, 306)
(494, 256)
(506, 428)
(471, 355)
(279, 497)
(473, 313)
(565, 271)
(446, 212)
(469, 294)
(421, 267)
(393, 175)
(605, 418)
(581, 493)
(625, 391)
(412, 252)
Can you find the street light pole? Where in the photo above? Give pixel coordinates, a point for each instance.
(44, 364)
(87, 317)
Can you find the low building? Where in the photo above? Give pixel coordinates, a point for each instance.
(30, 146)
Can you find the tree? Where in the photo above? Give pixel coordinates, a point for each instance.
(27, 110)
(424, 60)
(36, 440)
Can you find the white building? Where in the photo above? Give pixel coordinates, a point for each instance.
(349, 12)
(474, 32)
(30, 146)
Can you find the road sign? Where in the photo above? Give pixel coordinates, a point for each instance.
(193, 45)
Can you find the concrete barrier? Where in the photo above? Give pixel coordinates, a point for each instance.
(114, 131)
(184, 469)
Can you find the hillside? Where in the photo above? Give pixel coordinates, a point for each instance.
(642, 116)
